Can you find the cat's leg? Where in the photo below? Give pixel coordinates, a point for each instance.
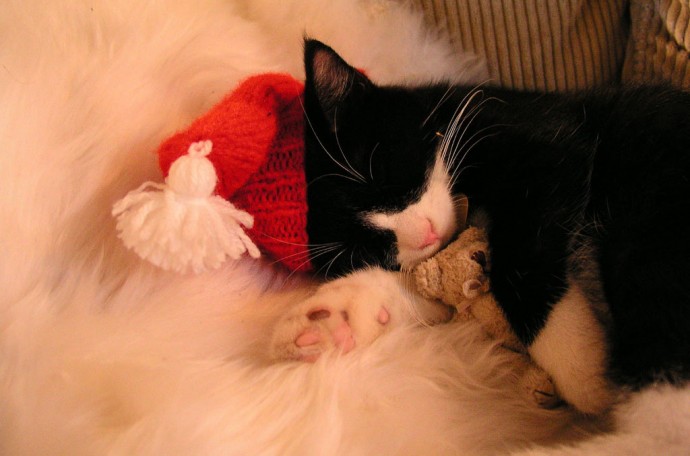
(551, 314)
(571, 347)
(348, 313)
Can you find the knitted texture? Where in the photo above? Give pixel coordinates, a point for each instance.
(258, 152)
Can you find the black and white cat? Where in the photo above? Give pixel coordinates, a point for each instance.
(584, 199)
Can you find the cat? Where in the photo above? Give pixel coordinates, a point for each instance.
(583, 198)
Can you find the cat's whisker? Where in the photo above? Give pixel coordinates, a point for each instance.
(310, 257)
(310, 245)
(319, 250)
(461, 201)
(323, 147)
(457, 143)
(330, 263)
(465, 125)
(455, 176)
(469, 144)
(461, 120)
(465, 103)
(353, 171)
(310, 254)
(469, 118)
(455, 120)
(335, 175)
(448, 93)
(312, 248)
(480, 135)
(371, 157)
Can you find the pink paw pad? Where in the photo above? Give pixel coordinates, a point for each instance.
(343, 337)
(309, 337)
(384, 316)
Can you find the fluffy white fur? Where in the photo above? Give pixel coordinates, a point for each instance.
(102, 354)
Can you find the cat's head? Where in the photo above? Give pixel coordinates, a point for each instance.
(377, 193)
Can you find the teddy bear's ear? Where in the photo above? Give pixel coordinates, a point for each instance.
(330, 81)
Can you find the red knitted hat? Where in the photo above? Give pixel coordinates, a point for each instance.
(254, 140)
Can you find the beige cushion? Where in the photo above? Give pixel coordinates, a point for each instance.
(538, 44)
(659, 42)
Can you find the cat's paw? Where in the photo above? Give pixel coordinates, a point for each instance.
(538, 387)
(342, 315)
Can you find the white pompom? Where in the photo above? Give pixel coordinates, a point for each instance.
(182, 225)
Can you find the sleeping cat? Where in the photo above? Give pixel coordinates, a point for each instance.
(583, 198)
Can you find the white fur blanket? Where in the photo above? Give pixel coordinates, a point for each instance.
(102, 354)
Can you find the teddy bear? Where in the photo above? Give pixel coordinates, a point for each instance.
(457, 276)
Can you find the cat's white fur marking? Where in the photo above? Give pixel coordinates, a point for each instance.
(572, 349)
(411, 226)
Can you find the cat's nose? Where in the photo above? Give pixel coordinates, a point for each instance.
(430, 237)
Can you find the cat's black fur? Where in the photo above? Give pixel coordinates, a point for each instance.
(595, 187)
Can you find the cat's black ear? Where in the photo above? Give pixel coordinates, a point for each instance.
(330, 80)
